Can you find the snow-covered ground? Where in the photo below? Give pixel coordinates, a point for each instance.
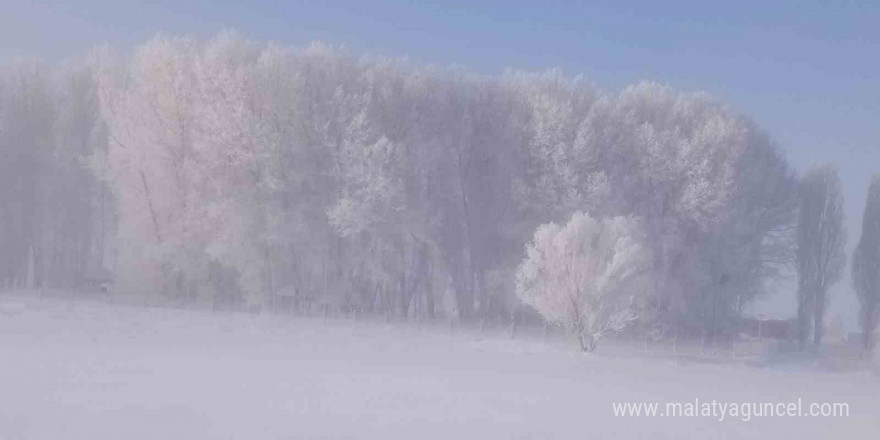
(87, 370)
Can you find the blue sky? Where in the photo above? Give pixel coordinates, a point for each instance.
(808, 72)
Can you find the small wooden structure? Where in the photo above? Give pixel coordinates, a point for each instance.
(284, 298)
(97, 279)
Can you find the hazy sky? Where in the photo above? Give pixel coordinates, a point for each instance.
(808, 72)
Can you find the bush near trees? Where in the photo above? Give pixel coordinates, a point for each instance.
(586, 276)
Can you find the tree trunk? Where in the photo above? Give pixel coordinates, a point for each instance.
(429, 289)
(588, 342)
(150, 207)
(513, 325)
(803, 320)
(818, 328)
(403, 304)
(464, 298)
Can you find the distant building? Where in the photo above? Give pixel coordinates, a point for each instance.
(97, 279)
(780, 329)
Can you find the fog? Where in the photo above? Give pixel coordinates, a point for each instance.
(92, 370)
(226, 237)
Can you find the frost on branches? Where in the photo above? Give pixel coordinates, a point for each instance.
(586, 275)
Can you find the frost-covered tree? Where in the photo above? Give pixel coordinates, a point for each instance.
(483, 152)
(562, 173)
(237, 178)
(866, 265)
(714, 194)
(586, 275)
(52, 208)
(369, 182)
(191, 164)
(147, 104)
(28, 110)
(78, 218)
(821, 238)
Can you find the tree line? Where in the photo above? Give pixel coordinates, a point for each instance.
(230, 171)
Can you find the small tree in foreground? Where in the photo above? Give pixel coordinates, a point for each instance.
(586, 275)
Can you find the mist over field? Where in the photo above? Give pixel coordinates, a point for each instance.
(219, 235)
(83, 369)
